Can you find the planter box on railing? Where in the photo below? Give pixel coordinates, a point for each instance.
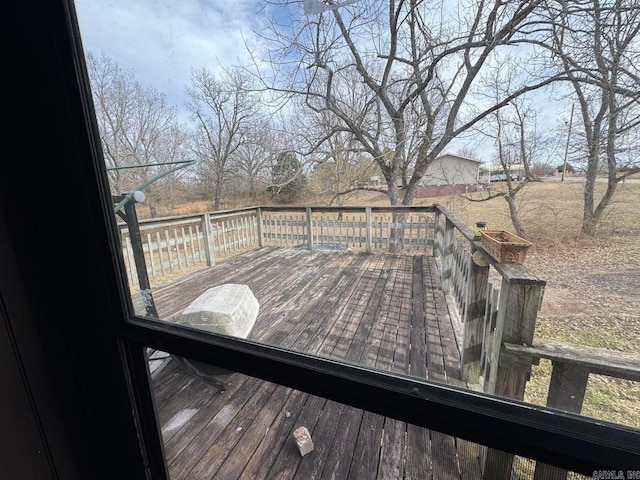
(505, 247)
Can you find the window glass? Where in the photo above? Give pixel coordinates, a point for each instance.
(254, 150)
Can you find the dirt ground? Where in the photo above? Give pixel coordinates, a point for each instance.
(589, 289)
(592, 298)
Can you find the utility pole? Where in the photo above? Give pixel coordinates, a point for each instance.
(566, 149)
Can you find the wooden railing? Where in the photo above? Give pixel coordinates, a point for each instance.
(571, 367)
(496, 335)
(180, 244)
(177, 245)
(488, 317)
(488, 314)
(369, 229)
(493, 306)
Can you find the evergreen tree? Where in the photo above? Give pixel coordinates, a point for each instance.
(288, 180)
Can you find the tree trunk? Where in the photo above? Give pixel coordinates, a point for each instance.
(394, 199)
(217, 195)
(588, 221)
(513, 213)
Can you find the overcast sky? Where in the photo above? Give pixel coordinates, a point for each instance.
(161, 41)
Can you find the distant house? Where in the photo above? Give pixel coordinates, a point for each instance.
(450, 174)
(498, 174)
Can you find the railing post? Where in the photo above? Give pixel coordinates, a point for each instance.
(473, 321)
(568, 386)
(309, 229)
(566, 392)
(517, 315)
(367, 216)
(447, 255)
(437, 234)
(259, 226)
(206, 232)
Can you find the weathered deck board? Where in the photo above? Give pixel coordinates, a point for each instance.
(383, 311)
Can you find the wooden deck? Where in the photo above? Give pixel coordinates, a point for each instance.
(385, 311)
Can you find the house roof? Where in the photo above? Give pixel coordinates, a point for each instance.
(460, 157)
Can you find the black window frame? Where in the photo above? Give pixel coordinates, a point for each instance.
(570, 441)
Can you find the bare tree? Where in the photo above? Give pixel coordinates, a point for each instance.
(135, 125)
(172, 185)
(596, 43)
(255, 156)
(223, 109)
(412, 66)
(517, 142)
(514, 132)
(341, 164)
